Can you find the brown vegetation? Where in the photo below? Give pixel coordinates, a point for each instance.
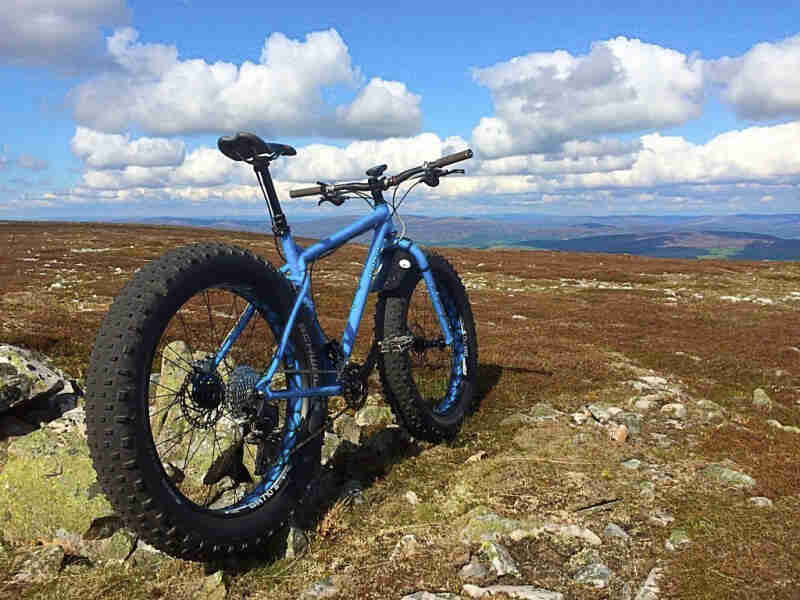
(565, 329)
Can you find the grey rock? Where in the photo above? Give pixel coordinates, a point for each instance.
(432, 596)
(778, 425)
(761, 399)
(613, 530)
(484, 525)
(71, 420)
(676, 409)
(677, 538)
(346, 428)
(353, 490)
(660, 518)
(760, 501)
(723, 474)
(474, 571)
(517, 419)
(633, 421)
(325, 588)
(500, 559)
(582, 558)
(374, 415)
(544, 412)
(632, 464)
(118, 547)
(213, 587)
(330, 444)
(296, 543)
(573, 531)
(579, 417)
(39, 565)
(147, 556)
(412, 498)
(709, 405)
(600, 413)
(595, 574)
(30, 377)
(517, 592)
(650, 588)
(406, 547)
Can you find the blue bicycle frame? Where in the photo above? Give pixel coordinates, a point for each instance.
(297, 271)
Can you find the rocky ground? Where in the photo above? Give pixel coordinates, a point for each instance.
(637, 438)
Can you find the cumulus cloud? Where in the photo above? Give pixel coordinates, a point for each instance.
(763, 83)
(201, 167)
(57, 33)
(544, 99)
(381, 109)
(113, 151)
(157, 91)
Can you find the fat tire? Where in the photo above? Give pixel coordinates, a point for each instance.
(118, 429)
(396, 369)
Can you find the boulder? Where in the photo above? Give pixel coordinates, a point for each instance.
(27, 377)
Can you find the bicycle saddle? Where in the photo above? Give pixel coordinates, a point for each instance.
(246, 146)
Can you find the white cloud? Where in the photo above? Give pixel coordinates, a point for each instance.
(765, 154)
(113, 151)
(156, 91)
(381, 109)
(763, 83)
(57, 33)
(202, 167)
(623, 85)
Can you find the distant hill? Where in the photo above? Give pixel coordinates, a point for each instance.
(744, 236)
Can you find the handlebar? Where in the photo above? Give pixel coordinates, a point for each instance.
(386, 182)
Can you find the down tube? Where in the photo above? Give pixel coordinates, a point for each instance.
(360, 300)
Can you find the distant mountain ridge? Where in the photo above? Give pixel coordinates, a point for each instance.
(740, 236)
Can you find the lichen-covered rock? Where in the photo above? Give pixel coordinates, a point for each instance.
(677, 539)
(27, 376)
(474, 571)
(374, 415)
(325, 588)
(723, 474)
(518, 592)
(213, 588)
(480, 524)
(594, 574)
(500, 559)
(40, 565)
(761, 399)
(422, 595)
(56, 467)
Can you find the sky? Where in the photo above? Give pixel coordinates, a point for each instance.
(112, 108)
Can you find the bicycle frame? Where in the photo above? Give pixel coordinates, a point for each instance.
(297, 270)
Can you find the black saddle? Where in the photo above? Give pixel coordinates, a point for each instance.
(248, 146)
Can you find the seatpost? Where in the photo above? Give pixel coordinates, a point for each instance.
(280, 227)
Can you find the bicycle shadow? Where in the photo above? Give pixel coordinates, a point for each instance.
(354, 468)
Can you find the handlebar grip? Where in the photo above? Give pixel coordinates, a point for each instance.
(451, 158)
(312, 191)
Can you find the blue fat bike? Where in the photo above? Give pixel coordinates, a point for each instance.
(209, 380)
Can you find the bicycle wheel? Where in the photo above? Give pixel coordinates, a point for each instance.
(429, 385)
(175, 442)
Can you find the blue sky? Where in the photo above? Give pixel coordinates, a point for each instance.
(111, 108)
